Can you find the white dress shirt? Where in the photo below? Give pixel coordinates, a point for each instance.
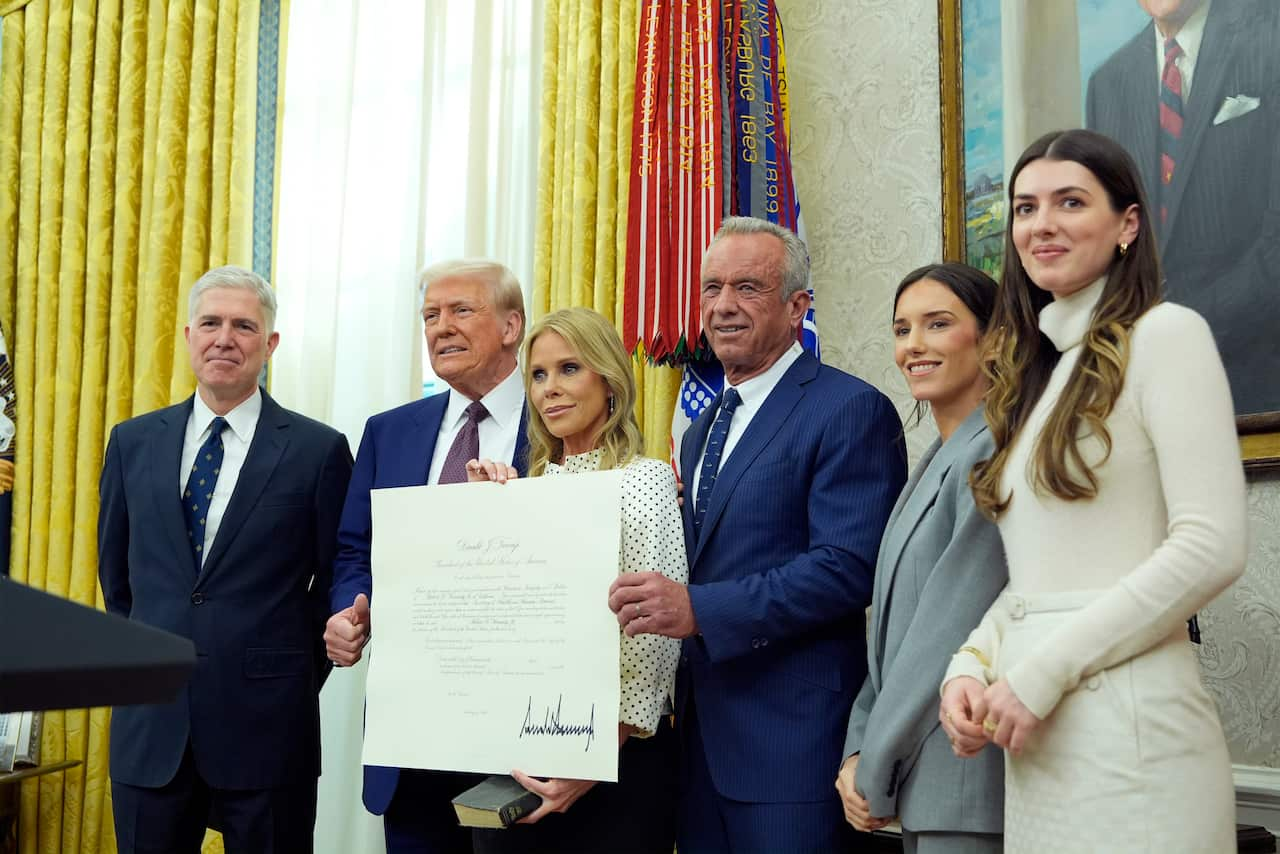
(1189, 39)
(498, 432)
(236, 436)
(754, 392)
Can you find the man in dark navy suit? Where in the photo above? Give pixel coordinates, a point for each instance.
(473, 314)
(791, 475)
(218, 522)
(1195, 99)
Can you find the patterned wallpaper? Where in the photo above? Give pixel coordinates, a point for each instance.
(864, 87)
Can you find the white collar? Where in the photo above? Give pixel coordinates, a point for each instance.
(756, 389)
(1066, 320)
(504, 401)
(586, 461)
(1189, 37)
(242, 420)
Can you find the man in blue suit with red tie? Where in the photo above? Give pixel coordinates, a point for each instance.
(1194, 97)
(473, 314)
(792, 475)
(218, 522)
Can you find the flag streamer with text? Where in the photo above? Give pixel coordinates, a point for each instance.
(710, 139)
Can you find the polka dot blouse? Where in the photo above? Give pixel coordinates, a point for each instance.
(652, 540)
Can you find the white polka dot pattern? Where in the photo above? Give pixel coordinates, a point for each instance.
(652, 540)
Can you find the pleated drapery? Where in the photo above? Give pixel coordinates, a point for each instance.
(126, 171)
(588, 90)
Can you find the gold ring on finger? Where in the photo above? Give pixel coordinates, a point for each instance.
(989, 725)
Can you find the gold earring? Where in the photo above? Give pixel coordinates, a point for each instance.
(1124, 247)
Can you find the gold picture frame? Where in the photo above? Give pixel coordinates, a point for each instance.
(1259, 434)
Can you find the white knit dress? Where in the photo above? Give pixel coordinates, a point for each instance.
(1091, 631)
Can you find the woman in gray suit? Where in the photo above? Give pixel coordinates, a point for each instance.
(940, 566)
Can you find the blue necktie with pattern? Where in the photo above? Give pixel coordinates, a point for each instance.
(711, 457)
(198, 495)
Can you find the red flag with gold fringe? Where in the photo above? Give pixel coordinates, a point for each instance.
(676, 199)
(710, 139)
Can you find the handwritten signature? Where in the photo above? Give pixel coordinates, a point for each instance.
(551, 724)
(494, 545)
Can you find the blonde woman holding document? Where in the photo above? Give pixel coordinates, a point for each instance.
(581, 394)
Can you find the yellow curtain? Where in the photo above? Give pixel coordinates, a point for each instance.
(588, 80)
(126, 170)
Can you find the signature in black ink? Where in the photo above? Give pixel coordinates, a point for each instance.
(551, 724)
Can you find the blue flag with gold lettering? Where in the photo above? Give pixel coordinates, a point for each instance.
(710, 139)
(756, 130)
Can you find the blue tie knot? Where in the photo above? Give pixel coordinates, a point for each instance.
(216, 427)
(730, 400)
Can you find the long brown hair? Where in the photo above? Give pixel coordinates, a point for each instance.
(970, 285)
(599, 348)
(1021, 357)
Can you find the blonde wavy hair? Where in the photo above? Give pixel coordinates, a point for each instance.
(1020, 358)
(599, 348)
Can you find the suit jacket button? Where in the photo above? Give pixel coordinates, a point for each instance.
(197, 598)
(764, 641)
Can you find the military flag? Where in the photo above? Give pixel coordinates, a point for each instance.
(710, 139)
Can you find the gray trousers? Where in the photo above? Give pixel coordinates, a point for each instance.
(948, 842)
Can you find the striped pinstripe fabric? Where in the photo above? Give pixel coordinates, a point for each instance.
(1170, 119)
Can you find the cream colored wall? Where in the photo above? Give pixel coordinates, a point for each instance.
(864, 86)
(863, 77)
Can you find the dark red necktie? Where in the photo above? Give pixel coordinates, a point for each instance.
(1170, 120)
(465, 447)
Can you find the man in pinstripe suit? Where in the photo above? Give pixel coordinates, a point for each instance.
(1220, 229)
(792, 475)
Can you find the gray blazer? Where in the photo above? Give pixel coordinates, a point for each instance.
(941, 564)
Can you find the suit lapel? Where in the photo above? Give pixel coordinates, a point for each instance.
(166, 480)
(270, 438)
(1142, 91)
(895, 538)
(521, 459)
(695, 436)
(420, 443)
(1217, 57)
(919, 495)
(763, 427)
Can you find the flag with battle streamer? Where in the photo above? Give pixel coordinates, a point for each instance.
(710, 139)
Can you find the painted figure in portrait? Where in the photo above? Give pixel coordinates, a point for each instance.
(1191, 89)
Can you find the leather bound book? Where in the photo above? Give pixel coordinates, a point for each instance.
(497, 802)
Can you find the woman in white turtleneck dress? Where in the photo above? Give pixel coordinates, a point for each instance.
(1117, 528)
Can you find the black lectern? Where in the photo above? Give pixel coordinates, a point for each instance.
(57, 654)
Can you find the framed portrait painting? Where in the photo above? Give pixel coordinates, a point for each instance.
(1191, 89)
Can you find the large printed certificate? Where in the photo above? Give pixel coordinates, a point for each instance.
(494, 644)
